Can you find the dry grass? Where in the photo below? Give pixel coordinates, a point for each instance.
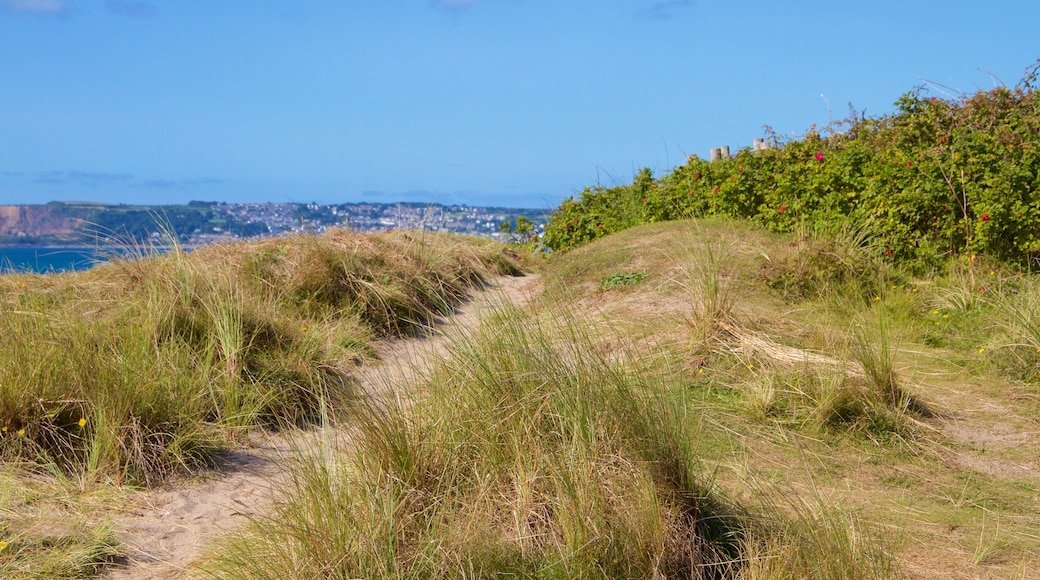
(141, 367)
(531, 454)
(696, 420)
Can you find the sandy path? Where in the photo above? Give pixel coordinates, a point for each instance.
(163, 531)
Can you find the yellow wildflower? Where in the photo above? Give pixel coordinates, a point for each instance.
(3, 545)
(21, 432)
(982, 350)
(82, 422)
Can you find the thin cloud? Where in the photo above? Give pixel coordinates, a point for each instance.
(131, 9)
(665, 10)
(163, 184)
(105, 179)
(98, 176)
(37, 7)
(87, 178)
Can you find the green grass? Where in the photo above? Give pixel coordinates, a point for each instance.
(532, 454)
(143, 367)
(54, 527)
(626, 279)
(702, 422)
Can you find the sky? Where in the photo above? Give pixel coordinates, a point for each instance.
(517, 103)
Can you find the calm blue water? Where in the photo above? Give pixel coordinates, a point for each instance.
(47, 260)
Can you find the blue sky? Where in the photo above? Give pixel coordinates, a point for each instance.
(487, 102)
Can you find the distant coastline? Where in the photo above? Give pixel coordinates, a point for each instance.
(87, 225)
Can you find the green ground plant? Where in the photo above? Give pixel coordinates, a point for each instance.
(626, 279)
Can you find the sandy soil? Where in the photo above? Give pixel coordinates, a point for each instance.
(164, 531)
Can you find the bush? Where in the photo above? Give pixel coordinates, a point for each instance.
(936, 178)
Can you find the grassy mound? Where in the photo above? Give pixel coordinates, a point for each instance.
(138, 367)
(555, 444)
(532, 454)
(702, 398)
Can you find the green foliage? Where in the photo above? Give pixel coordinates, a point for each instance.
(937, 177)
(626, 279)
(821, 266)
(520, 232)
(601, 211)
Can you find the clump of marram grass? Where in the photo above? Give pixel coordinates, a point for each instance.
(139, 367)
(822, 264)
(531, 454)
(827, 402)
(818, 392)
(705, 279)
(1015, 317)
(52, 529)
(872, 349)
(810, 537)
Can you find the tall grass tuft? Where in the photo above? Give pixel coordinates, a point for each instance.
(52, 528)
(530, 453)
(1015, 318)
(706, 278)
(872, 349)
(830, 261)
(809, 537)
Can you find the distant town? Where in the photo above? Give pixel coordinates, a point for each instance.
(365, 217)
(199, 222)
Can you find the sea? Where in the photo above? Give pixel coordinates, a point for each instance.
(42, 260)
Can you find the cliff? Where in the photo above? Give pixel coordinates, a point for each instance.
(34, 222)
